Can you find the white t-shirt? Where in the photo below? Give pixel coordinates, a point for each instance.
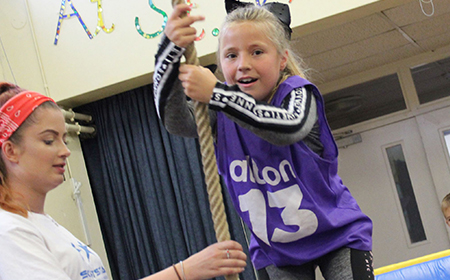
(39, 248)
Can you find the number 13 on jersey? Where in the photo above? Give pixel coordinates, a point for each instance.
(290, 199)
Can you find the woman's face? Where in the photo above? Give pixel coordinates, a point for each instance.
(42, 153)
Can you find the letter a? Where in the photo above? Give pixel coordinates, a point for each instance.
(63, 16)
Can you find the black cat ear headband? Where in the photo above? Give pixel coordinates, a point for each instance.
(280, 10)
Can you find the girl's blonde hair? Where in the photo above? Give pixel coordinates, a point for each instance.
(274, 29)
(445, 204)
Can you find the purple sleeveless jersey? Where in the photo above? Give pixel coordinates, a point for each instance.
(292, 200)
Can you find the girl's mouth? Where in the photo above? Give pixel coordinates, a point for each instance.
(246, 81)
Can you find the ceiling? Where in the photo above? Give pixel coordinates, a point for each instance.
(377, 38)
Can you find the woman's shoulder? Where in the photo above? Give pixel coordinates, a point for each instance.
(10, 222)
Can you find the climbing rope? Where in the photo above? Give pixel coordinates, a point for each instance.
(208, 158)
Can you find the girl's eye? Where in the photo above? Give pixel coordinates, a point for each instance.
(258, 52)
(230, 56)
(48, 142)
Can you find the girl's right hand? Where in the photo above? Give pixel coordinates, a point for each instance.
(179, 29)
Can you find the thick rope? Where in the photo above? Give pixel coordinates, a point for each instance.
(209, 158)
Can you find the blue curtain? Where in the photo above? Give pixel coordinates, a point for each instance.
(148, 188)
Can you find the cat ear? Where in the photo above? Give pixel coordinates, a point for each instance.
(231, 5)
(281, 11)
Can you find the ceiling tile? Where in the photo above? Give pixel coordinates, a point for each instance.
(429, 28)
(357, 51)
(341, 35)
(364, 64)
(411, 12)
(433, 43)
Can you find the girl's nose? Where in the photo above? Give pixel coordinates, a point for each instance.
(244, 63)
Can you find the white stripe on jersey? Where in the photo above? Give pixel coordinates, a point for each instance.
(160, 77)
(265, 114)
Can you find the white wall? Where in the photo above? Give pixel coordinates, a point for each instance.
(18, 59)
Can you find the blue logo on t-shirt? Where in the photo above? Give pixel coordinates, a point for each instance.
(81, 247)
(94, 274)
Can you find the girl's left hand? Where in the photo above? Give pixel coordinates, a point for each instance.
(198, 82)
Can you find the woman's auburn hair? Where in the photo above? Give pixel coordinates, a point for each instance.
(7, 199)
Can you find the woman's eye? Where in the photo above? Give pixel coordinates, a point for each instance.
(258, 52)
(48, 142)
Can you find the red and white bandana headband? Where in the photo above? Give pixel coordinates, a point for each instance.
(16, 110)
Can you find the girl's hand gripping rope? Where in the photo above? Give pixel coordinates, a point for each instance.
(198, 82)
(179, 29)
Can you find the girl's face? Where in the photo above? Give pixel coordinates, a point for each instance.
(40, 157)
(250, 60)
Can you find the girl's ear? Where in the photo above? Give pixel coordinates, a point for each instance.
(284, 60)
(10, 151)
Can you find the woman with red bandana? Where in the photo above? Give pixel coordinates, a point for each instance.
(32, 163)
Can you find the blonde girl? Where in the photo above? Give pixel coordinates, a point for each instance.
(274, 148)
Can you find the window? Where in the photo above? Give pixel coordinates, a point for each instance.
(364, 101)
(432, 80)
(447, 140)
(405, 193)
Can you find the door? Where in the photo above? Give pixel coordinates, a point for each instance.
(366, 169)
(435, 131)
